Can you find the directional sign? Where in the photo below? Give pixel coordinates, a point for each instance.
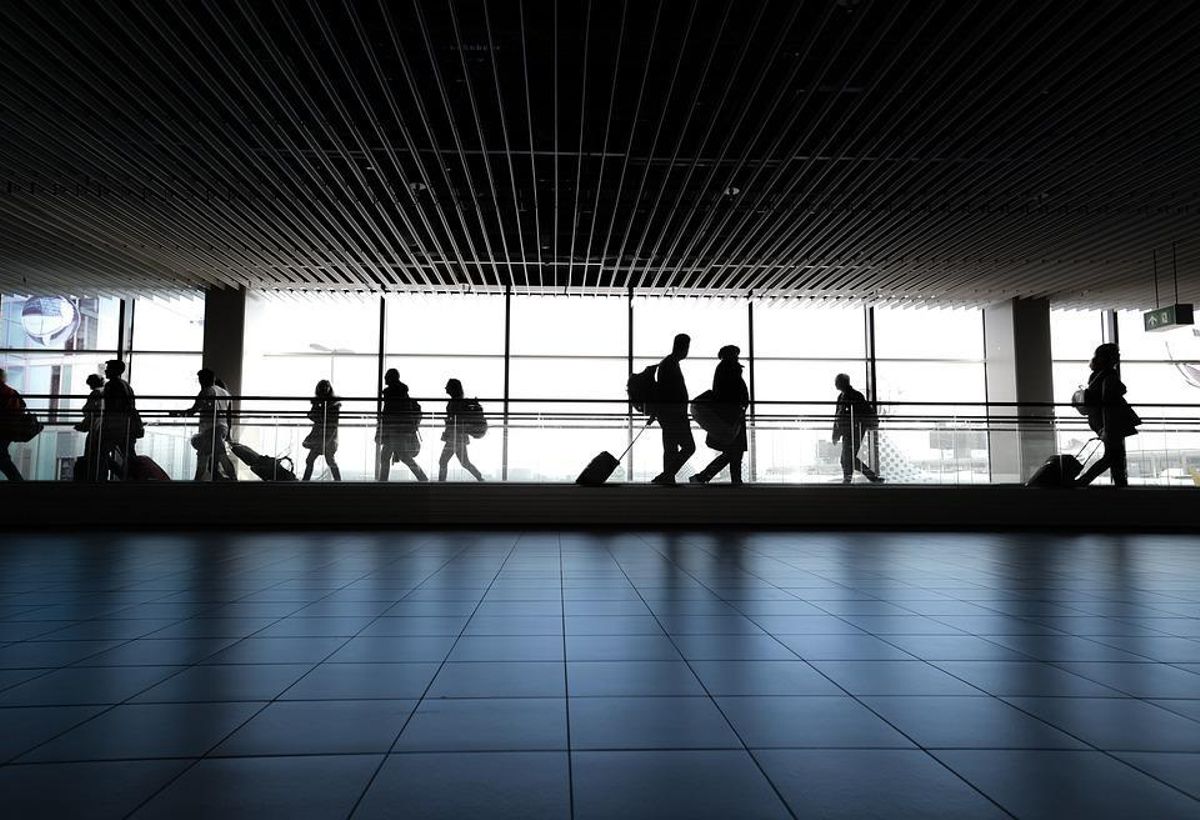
(1168, 317)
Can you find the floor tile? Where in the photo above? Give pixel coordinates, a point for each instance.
(1179, 770)
(394, 649)
(320, 727)
(954, 648)
(429, 625)
(451, 786)
(514, 625)
(147, 730)
(1024, 678)
(621, 648)
(732, 648)
(1187, 708)
(93, 789)
(508, 648)
(355, 681)
(41, 654)
(86, 685)
(301, 627)
(617, 678)
(968, 723)
(612, 625)
(843, 648)
(793, 677)
(499, 679)
(882, 783)
(808, 722)
(515, 724)
(672, 785)
(1117, 724)
(893, 678)
(255, 787)
(159, 652)
(277, 650)
(1142, 680)
(225, 682)
(26, 727)
(649, 723)
(1049, 784)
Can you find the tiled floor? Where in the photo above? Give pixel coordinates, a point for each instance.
(508, 675)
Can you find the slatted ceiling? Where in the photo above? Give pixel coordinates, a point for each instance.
(848, 150)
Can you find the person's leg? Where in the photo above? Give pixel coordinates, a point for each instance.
(861, 465)
(710, 472)
(8, 467)
(331, 462)
(228, 468)
(444, 460)
(1117, 465)
(465, 461)
(383, 463)
(414, 467)
(669, 448)
(735, 467)
(678, 445)
(308, 465)
(687, 445)
(847, 459)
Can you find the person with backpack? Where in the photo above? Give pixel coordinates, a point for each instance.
(215, 411)
(730, 397)
(12, 408)
(322, 440)
(121, 425)
(398, 436)
(852, 418)
(1109, 415)
(461, 422)
(671, 410)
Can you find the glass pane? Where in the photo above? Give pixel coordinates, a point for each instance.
(566, 326)
(930, 382)
(1074, 334)
(806, 330)
(311, 324)
(928, 333)
(169, 324)
(445, 323)
(1136, 343)
(712, 324)
(55, 376)
(59, 323)
(164, 374)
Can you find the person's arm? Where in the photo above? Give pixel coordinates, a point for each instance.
(196, 407)
(837, 420)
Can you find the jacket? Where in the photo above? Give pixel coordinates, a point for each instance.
(323, 438)
(852, 411)
(730, 398)
(671, 396)
(1108, 413)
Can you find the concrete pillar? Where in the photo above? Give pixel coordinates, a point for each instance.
(1019, 369)
(225, 334)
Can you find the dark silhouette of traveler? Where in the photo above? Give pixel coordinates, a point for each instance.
(12, 408)
(322, 440)
(455, 436)
(671, 410)
(121, 425)
(399, 436)
(852, 418)
(93, 406)
(1109, 415)
(88, 467)
(730, 398)
(214, 409)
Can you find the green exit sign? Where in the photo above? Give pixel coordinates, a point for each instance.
(1166, 318)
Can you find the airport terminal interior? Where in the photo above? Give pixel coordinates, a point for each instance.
(665, 409)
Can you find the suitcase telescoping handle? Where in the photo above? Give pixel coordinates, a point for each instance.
(625, 452)
(1084, 454)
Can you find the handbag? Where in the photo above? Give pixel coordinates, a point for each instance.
(24, 428)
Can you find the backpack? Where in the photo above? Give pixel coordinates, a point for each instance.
(472, 420)
(414, 415)
(868, 414)
(642, 388)
(1079, 401)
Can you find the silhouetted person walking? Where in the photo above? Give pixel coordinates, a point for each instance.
(322, 440)
(214, 409)
(730, 398)
(455, 435)
(121, 425)
(1109, 415)
(671, 410)
(852, 417)
(12, 408)
(89, 467)
(399, 436)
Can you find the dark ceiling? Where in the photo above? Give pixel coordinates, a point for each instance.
(957, 152)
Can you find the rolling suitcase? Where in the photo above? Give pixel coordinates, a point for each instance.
(602, 466)
(1062, 470)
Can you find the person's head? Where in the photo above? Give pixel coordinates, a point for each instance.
(683, 343)
(3, 376)
(391, 377)
(206, 377)
(324, 389)
(729, 353)
(841, 381)
(113, 369)
(95, 381)
(454, 389)
(1107, 356)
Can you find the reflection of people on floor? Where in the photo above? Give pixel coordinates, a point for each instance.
(1109, 415)
(322, 440)
(671, 410)
(12, 407)
(456, 435)
(215, 412)
(852, 418)
(730, 398)
(399, 436)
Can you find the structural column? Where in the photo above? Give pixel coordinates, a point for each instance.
(225, 334)
(1019, 370)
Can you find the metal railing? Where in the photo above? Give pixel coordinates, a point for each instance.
(551, 440)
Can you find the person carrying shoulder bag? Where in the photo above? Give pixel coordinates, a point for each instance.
(1109, 415)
